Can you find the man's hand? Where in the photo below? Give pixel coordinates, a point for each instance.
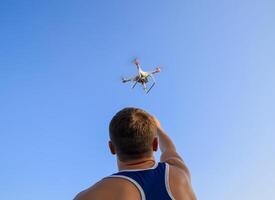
(157, 122)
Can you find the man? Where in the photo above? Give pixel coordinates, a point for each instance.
(134, 136)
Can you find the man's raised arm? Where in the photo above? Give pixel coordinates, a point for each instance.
(168, 150)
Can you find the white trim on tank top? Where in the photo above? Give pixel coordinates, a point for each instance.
(167, 181)
(134, 182)
(136, 170)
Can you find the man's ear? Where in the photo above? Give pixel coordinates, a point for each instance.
(112, 148)
(155, 144)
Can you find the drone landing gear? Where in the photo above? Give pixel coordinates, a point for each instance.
(144, 87)
(153, 84)
(150, 88)
(135, 84)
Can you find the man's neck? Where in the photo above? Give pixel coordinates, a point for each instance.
(142, 163)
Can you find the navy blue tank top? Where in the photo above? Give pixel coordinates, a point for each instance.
(152, 183)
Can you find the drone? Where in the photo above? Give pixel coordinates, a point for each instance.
(142, 77)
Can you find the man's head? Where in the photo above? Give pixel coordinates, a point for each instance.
(133, 134)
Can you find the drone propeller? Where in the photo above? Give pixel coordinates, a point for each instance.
(158, 69)
(136, 61)
(123, 80)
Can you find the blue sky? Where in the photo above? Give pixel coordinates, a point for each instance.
(60, 69)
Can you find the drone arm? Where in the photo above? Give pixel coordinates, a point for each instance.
(137, 63)
(124, 80)
(138, 67)
(152, 72)
(152, 77)
(157, 70)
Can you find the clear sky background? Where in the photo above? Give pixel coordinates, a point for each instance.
(60, 68)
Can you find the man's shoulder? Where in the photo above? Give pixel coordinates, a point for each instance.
(180, 183)
(178, 164)
(109, 188)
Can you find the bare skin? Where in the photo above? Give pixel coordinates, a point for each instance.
(120, 189)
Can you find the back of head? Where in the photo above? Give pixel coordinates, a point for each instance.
(132, 131)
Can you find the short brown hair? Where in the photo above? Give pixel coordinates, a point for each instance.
(132, 131)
